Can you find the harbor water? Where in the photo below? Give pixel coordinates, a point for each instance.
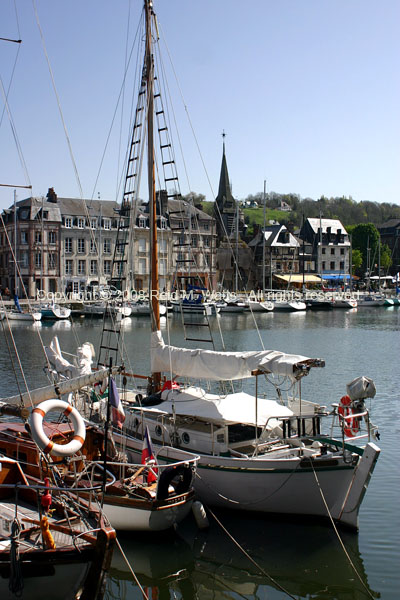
(259, 557)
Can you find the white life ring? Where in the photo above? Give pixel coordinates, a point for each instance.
(41, 438)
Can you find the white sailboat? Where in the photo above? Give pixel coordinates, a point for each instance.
(255, 455)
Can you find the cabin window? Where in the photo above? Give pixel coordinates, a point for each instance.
(186, 437)
(158, 431)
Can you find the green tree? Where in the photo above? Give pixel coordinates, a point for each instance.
(386, 257)
(365, 238)
(356, 259)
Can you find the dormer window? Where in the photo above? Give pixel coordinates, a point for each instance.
(81, 222)
(93, 223)
(68, 222)
(106, 223)
(142, 222)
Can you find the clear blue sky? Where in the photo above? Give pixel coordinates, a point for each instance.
(307, 91)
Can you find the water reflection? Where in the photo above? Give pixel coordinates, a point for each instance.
(305, 560)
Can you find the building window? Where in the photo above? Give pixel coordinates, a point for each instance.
(206, 241)
(68, 222)
(24, 259)
(52, 237)
(81, 267)
(342, 265)
(142, 266)
(332, 250)
(323, 250)
(38, 237)
(206, 226)
(163, 224)
(323, 265)
(52, 260)
(24, 237)
(81, 222)
(107, 246)
(162, 246)
(332, 267)
(142, 222)
(81, 246)
(107, 267)
(278, 266)
(93, 247)
(120, 246)
(93, 223)
(38, 260)
(68, 267)
(93, 267)
(163, 266)
(68, 245)
(142, 245)
(342, 251)
(107, 224)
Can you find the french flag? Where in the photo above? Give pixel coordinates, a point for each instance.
(148, 457)
(118, 414)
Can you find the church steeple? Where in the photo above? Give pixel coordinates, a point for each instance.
(224, 198)
(225, 204)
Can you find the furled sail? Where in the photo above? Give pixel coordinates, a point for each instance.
(218, 366)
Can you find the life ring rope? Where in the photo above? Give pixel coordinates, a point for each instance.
(41, 439)
(351, 425)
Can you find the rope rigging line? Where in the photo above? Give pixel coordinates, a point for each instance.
(255, 563)
(337, 533)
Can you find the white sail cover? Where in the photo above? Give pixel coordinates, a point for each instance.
(234, 408)
(219, 366)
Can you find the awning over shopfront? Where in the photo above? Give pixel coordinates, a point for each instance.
(300, 278)
(335, 276)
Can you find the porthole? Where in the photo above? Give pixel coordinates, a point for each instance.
(185, 437)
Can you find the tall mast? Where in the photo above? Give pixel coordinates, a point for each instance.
(154, 286)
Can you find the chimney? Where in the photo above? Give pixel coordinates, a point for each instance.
(51, 196)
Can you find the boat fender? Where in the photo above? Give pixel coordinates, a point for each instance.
(41, 439)
(350, 426)
(200, 515)
(180, 477)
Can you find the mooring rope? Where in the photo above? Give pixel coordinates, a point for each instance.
(255, 563)
(338, 535)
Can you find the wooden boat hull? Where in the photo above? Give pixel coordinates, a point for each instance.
(128, 515)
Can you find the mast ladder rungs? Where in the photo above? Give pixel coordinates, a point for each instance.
(162, 129)
(130, 176)
(171, 179)
(111, 348)
(157, 95)
(184, 260)
(186, 324)
(159, 112)
(198, 340)
(168, 162)
(162, 146)
(180, 245)
(116, 331)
